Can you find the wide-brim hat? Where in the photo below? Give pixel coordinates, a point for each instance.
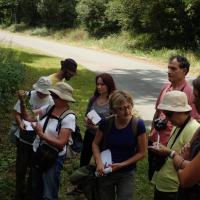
(175, 101)
(42, 85)
(64, 91)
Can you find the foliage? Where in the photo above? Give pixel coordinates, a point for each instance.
(167, 23)
(55, 13)
(92, 14)
(13, 70)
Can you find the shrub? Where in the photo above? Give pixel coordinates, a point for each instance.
(92, 14)
(11, 77)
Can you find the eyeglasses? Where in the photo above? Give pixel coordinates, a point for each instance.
(55, 96)
(168, 113)
(123, 108)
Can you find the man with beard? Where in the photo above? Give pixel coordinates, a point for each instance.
(67, 71)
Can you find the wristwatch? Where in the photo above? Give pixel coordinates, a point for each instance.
(172, 154)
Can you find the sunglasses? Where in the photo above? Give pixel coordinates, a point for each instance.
(55, 96)
(168, 113)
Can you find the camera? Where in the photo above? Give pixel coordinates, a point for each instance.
(160, 124)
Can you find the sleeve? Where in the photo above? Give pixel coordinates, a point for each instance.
(17, 107)
(165, 87)
(141, 127)
(69, 122)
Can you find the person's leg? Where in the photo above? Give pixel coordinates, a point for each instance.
(106, 187)
(86, 153)
(29, 179)
(125, 186)
(22, 159)
(51, 179)
(37, 185)
(158, 195)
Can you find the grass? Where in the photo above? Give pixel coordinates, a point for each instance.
(123, 43)
(83, 84)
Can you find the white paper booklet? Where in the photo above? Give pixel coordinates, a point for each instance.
(106, 158)
(28, 126)
(94, 117)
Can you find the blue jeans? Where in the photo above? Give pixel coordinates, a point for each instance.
(117, 186)
(46, 185)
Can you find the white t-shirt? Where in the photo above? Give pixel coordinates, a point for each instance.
(68, 122)
(35, 102)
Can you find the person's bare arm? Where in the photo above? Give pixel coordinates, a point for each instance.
(190, 175)
(96, 152)
(18, 119)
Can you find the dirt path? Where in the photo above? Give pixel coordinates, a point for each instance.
(142, 79)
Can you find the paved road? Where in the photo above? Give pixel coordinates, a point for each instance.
(139, 77)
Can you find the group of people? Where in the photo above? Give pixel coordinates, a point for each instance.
(175, 136)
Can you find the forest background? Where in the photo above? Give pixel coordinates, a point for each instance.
(155, 28)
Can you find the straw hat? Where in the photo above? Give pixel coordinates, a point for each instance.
(42, 85)
(63, 90)
(175, 101)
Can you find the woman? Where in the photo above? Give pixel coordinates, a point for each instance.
(188, 162)
(99, 102)
(122, 143)
(46, 185)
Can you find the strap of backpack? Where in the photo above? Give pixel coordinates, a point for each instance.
(62, 116)
(109, 124)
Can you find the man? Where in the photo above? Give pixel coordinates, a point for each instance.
(37, 98)
(196, 92)
(67, 71)
(178, 68)
(174, 105)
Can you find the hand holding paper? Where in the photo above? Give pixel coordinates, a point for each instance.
(94, 117)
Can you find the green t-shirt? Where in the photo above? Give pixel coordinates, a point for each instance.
(54, 79)
(166, 179)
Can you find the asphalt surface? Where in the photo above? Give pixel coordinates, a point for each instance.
(142, 79)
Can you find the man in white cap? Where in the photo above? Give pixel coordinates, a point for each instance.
(37, 98)
(177, 110)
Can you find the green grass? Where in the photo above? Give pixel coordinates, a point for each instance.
(83, 84)
(129, 45)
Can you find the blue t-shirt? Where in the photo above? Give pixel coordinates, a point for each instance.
(123, 142)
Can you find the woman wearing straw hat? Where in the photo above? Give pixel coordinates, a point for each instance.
(187, 162)
(37, 98)
(175, 106)
(46, 184)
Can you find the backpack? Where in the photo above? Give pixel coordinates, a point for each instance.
(76, 142)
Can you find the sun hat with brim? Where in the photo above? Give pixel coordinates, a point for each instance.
(42, 85)
(64, 91)
(175, 101)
